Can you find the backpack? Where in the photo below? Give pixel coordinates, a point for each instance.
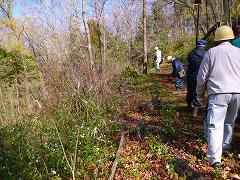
(182, 73)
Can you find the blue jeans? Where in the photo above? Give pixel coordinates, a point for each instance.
(221, 115)
(179, 82)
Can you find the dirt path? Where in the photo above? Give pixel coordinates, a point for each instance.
(174, 131)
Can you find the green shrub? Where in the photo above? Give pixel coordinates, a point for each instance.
(39, 148)
(3, 53)
(130, 73)
(14, 63)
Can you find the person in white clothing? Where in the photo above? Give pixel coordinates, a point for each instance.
(157, 58)
(219, 73)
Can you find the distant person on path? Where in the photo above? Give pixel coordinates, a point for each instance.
(194, 60)
(177, 71)
(157, 59)
(220, 74)
(236, 41)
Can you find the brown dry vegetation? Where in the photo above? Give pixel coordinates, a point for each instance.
(186, 144)
(68, 72)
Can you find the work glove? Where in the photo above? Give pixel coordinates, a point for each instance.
(197, 102)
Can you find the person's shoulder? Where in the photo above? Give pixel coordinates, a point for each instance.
(222, 48)
(177, 59)
(235, 47)
(192, 52)
(213, 50)
(201, 51)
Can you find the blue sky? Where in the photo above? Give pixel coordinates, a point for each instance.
(17, 8)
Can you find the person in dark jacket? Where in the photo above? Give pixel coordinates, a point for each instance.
(194, 60)
(177, 71)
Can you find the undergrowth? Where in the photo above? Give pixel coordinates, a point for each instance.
(75, 141)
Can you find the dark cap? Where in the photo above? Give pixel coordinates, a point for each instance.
(201, 42)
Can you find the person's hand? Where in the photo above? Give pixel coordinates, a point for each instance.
(197, 101)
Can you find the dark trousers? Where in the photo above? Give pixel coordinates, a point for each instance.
(191, 91)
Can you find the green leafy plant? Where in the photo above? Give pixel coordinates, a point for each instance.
(169, 130)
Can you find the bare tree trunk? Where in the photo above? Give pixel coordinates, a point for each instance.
(226, 12)
(207, 15)
(99, 35)
(87, 32)
(197, 22)
(145, 36)
(104, 47)
(102, 43)
(101, 32)
(213, 11)
(237, 10)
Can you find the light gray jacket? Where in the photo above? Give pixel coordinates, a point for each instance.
(219, 71)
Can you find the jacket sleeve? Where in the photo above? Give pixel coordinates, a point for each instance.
(174, 72)
(189, 57)
(189, 65)
(202, 76)
(179, 66)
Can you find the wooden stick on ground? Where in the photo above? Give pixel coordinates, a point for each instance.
(115, 163)
(183, 168)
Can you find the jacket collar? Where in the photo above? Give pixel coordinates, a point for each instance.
(225, 43)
